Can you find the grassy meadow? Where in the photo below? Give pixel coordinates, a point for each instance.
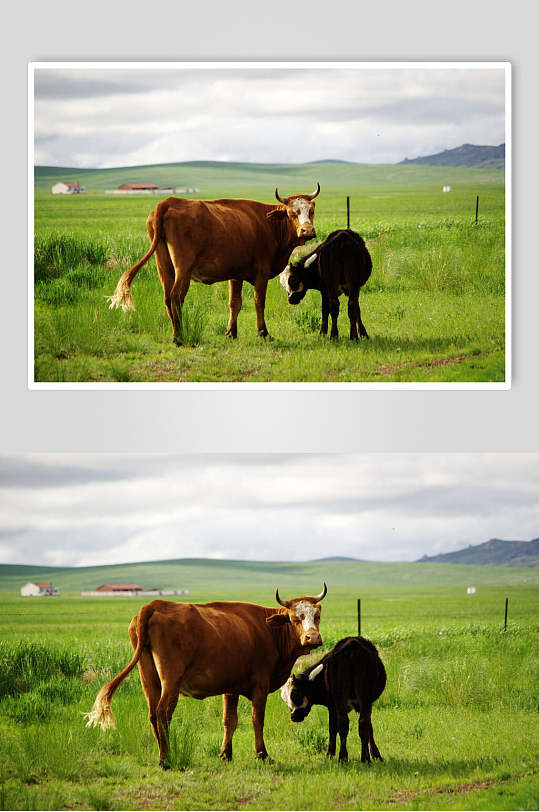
(456, 725)
(434, 306)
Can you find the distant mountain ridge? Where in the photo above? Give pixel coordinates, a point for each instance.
(480, 157)
(495, 551)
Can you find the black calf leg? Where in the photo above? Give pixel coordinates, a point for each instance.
(353, 310)
(361, 326)
(375, 753)
(325, 314)
(332, 743)
(342, 722)
(334, 312)
(364, 728)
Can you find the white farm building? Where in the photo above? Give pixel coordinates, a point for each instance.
(38, 590)
(67, 188)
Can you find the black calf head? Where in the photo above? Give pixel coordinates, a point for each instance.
(296, 692)
(298, 277)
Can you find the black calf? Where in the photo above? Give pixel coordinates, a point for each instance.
(341, 264)
(351, 675)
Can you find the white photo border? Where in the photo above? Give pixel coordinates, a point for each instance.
(265, 65)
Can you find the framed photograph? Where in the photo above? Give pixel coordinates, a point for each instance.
(269, 225)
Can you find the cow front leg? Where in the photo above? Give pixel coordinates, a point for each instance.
(325, 314)
(261, 285)
(230, 723)
(342, 723)
(332, 743)
(258, 714)
(334, 312)
(234, 304)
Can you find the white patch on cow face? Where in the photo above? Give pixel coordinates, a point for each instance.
(284, 279)
(286, 690)
(302, 210)
(284, 276)
(310, 260)
(285, 693)
(306, 611)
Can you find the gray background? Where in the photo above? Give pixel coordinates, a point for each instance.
(303, 420)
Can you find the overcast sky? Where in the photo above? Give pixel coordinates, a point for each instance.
(76, 510)
(118, 117)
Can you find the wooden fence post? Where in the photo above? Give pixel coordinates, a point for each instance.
(347, 212)
(358, 617)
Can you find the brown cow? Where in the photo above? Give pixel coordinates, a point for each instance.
(205, 649)
(217, 240)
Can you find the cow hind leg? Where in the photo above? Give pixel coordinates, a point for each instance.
(165, 709)
(360, 326)
(183, 262)
(230, 723)
(334, 312)
(353, 315)
(343, 726)
(149, 679)
(165, 268)
(234, 304)
(325, 314)
(332, 742)
(375, 753)
(364, 729)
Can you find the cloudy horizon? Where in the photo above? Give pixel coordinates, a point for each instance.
(113, 117)
(91, 509)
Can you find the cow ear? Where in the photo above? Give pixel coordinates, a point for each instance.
(314, 673)
(276, 213)
(277, 620)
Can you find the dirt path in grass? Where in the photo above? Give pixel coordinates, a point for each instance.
(390, 369)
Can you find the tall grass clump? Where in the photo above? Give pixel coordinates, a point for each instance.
(25, 665)
(56, 253)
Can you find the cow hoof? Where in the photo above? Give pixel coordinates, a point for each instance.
(264, 334)
(231, 334)
(226, 756)
(262, 754)
(164, 765)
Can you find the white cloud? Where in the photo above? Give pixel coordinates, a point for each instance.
(91, 509)
(117, 117)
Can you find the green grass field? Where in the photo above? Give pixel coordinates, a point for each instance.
(434, 306)
(456, 725)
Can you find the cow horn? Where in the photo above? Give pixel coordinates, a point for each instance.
(315, 194)
(286, 604)
(280, 199)
(322, 594)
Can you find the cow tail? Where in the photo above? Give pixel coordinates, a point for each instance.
(122, 295)
(101, 713)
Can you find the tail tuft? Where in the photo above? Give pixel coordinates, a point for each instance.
(101, 713)
(121, 297)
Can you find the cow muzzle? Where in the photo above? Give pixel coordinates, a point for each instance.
(299, 714)
(306, 232)
(311, 639)
(296, 296)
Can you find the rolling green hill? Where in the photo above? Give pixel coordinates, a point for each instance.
(494, 551)
(226, 578)
(466, 155)
(230, 177)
